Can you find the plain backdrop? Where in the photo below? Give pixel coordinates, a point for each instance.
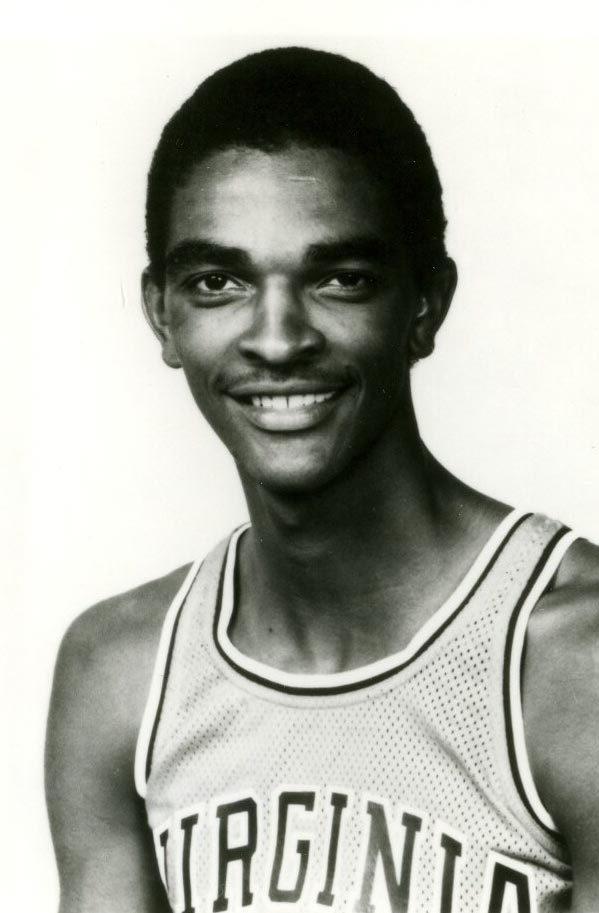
(112, 477)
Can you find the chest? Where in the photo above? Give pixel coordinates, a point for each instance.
(393, 803)
(390, 788)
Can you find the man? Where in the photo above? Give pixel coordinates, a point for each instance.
(380, 695)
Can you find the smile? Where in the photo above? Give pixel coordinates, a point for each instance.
(288, 413)
(295, 401)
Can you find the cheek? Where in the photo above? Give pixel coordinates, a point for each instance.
(379, 343)
(199, 360)
(203, 340)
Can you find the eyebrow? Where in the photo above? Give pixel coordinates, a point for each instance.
(368, 247)
(189, 252)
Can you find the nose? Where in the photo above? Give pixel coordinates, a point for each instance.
(281, 331)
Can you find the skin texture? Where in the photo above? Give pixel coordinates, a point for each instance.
(286, 275)
(285, 318)
(102, 843)
(561, 688)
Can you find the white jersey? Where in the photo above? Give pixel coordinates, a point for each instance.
(403, 785)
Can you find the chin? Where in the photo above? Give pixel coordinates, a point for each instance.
(290, 478)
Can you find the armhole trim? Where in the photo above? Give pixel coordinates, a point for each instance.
(512, 677)
(151, 717)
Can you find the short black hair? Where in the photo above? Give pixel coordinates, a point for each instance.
(299, 96)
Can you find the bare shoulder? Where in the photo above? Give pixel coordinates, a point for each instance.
(568, 614)
(103, 672)
(126, 626)
(563, 634)
(137, 611)
(107, 654)
(561, 704)
(579, 568)
(101, 680)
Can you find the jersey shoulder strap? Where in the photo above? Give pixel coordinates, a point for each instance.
(197, 588)
(551, 541)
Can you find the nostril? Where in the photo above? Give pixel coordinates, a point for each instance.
(281, 341)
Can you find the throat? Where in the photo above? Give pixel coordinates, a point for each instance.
(331, 614)
(315, 596)
(315, 640)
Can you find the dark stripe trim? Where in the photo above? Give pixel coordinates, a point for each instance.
(363, 683)
(167, 669)
(511, 745)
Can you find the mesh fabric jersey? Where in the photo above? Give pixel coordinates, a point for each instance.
(400, 786)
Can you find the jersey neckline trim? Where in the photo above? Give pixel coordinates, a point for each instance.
(364, 676)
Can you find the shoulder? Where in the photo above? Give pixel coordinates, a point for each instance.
(561, 687)
(109, 649)
(101, 680)
(97, 821)
(563, 633)
(566, 620)
(120, 633)
(127, 621)
(580, 566)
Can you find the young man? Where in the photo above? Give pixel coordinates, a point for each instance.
(381, 695)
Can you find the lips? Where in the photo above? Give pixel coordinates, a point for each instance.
(291, 411)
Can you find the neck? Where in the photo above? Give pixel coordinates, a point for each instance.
(369, 502)
(392, 482)
(334, 578)
(335, 563)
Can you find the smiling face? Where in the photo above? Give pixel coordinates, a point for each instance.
(291, 307)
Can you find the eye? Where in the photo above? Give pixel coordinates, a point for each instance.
(349, 280)
(348, 284)
(214, 282)
(213, 288)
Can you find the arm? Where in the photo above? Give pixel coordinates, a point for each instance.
(561, 707)
(102, 842)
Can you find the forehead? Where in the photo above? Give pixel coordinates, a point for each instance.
(283, 201)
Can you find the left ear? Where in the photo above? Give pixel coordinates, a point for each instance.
(432, 309)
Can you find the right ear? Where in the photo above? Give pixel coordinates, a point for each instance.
(155, 313)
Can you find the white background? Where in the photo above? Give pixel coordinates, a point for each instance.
(112, 476)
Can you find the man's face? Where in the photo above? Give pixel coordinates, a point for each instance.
(288, 303)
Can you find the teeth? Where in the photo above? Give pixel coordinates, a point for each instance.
(295, 401)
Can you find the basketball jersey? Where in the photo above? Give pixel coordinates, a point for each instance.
(403, 785)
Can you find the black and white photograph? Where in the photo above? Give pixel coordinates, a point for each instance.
(302, 398)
